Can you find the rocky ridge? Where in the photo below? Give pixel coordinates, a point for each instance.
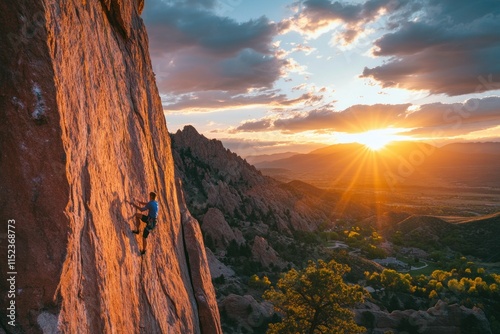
(215, 177)
(82, 133)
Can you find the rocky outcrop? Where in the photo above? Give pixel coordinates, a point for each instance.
(440, 319)
(83, 132)
(215, 227)
(246, 311)
(217, 268)
(263, 253)
(199, 269)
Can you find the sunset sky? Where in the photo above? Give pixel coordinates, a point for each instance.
(275, 76)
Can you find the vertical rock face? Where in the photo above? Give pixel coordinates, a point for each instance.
(199, 268)
(82, 132)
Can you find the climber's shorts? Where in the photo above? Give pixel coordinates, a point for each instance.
(150, 225)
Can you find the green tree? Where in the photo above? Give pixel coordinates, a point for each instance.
(256, 282)
(392, 280)
(315, 300)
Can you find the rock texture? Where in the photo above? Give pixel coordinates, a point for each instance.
(440, 319)
(217, 268)
(199, 269)
(246, 311)
(215, 226)
(83, 132)
(265, 254)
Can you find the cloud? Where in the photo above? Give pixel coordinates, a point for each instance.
(449, 47)
(357, 118)
(218, 100)
(456, 118)
(255, 126)
(428, 119)
(191, 3)
(193, 49)
(317, 16)
(195, 70)
(174, 28)
(248, 147)
(444, 47)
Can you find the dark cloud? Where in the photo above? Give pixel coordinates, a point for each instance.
(318, 14)
(217, 100)
(326, 10)
(194, 70)
(450, 47)
(174, 28)
(445, 47)
(357, 118)
(306, 98)
(456, 118)
(255, 126)
(447, 119)
(193, 49)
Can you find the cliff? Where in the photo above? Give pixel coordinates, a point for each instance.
(82, 132)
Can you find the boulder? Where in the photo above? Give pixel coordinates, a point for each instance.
(217, 268)
(265, 254)
(246, 311)
(222, 196)
(215, 226)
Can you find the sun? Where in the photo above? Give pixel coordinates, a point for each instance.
(376, 139)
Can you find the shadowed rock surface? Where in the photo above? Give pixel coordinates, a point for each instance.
(83, 132)
(440, 319)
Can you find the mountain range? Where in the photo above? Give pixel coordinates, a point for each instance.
(216, 178)
(397, 164)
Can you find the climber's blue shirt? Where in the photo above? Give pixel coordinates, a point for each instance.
(152, 206)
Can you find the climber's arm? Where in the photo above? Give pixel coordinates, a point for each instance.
(141, 208)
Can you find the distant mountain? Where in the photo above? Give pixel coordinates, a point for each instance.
(265, 158)
(473, 148)
(397, 164)
(466, 164)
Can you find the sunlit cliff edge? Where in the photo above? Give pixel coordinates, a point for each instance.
(82, 131)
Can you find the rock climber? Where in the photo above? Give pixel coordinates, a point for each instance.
(149, 220)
